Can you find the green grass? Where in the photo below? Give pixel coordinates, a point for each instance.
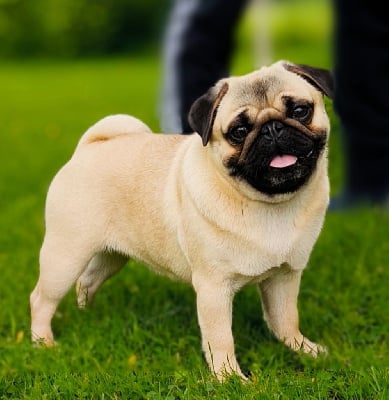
(140, 340)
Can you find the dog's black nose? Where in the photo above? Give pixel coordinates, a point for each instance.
(272, 130)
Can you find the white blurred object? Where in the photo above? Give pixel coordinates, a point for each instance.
(261, 10)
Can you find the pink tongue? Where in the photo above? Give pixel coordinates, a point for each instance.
(283, 161)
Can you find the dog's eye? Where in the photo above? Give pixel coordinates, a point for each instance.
(237, 134)
(302, 113)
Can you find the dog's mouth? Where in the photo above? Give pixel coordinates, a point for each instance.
(279, 160)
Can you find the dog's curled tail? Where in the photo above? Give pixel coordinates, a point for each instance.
(113, 126)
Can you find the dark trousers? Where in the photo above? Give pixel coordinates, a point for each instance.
(200, 43)
(362, 93)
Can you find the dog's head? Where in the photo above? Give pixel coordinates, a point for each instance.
(268, 128)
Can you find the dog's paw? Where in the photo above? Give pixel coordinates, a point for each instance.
(42, 342)
(228, 370)
(223, 375)
(304, 345)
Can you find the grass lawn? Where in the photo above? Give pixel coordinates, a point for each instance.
(140, 340)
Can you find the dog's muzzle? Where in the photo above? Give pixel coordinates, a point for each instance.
(277, 158)
(284, 141)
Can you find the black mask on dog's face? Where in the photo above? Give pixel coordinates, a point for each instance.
(274, 158)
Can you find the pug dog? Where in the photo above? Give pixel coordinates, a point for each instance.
(241, 201)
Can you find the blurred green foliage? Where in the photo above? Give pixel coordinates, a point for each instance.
(68, 28)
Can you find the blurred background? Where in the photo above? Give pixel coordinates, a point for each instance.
(74, 28)
(85, 28)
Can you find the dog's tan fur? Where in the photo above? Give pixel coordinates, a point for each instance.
(170, 202)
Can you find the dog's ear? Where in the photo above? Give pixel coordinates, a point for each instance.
(322, 79)
(203, 112)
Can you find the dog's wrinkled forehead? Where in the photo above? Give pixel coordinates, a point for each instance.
(266, 86)
(253, 88)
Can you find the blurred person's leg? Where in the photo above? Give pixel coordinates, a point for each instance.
(198, 48)
(362, 100)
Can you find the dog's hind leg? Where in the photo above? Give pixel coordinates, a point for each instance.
(60, 266)
(102, 266)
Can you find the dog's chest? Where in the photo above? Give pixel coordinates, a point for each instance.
(267, 240)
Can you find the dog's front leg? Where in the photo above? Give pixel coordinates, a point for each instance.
(279, 302)
(214, 309)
